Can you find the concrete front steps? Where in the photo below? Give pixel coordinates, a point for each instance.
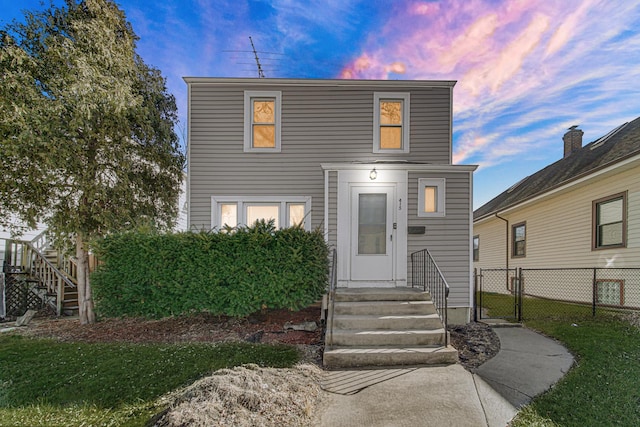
(385, 327)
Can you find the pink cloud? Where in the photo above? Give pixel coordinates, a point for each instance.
(424, 8)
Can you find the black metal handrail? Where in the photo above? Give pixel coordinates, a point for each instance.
(333, 274)
(427, 274)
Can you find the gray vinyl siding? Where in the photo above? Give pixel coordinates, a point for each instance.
(320, 124)
(447, 238)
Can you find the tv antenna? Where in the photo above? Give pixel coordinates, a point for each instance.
(260, 73)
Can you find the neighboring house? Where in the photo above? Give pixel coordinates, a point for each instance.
(368, 162)
(581, 211)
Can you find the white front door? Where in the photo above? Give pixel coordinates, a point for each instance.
(373, 225)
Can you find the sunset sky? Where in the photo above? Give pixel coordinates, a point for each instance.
(526, 69)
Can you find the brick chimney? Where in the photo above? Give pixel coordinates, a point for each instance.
(572, 140)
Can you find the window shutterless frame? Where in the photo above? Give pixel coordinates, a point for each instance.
(431, 197)
(290, 210)
(262, 120)
(519, 240)
(391, 111)
(609, 222)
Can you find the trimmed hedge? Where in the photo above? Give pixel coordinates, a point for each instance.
(235, 273)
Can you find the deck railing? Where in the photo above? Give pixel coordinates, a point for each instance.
(427, 275)
(23, 256)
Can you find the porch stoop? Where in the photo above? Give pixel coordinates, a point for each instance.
(385, 327)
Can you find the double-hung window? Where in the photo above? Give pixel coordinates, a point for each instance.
(239, 211)
(610, 222)
(519, 240)
(262, 117)
(391, 122)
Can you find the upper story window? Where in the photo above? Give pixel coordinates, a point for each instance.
(391, 122)
(519, 240)
(262, 112)
(431, 200)
(610, 222)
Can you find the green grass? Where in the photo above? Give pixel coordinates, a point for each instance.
(44, 382)
(602, 389)
(502, 306)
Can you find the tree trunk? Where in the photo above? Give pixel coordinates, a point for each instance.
(85, 296)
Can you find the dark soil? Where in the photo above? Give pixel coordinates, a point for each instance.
(476, 342)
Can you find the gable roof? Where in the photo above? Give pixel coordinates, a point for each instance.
(619, 144)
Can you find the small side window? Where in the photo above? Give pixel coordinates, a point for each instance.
(476, 248)
(431, 197)
(519, 240)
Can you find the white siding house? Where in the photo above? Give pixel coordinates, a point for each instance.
(582, 211)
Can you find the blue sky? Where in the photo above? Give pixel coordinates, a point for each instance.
(526, 69)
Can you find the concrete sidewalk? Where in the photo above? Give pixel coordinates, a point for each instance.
(527, 364)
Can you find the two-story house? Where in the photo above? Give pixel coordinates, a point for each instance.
(369, 162)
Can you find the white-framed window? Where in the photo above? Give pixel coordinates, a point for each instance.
(391, 122)
(431, 199)
(284, 211)
(262, 121)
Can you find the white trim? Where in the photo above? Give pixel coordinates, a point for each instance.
(409, 167)
(244, 81)
(276, 95)
(472, 295)
(360, 177)
(188, 142)
(558, 189)
(440, 184)
(405, 97)
(283, 201)
(326, 205)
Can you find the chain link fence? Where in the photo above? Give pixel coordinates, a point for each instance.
(519, 294)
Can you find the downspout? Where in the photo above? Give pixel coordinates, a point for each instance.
(506, 250)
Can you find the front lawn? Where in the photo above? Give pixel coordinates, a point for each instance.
(50, 383)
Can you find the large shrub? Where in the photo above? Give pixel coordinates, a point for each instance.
(234, 273)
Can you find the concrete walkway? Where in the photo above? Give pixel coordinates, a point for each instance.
(527, 364)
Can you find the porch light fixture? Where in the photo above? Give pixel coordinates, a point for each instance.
(373, 174)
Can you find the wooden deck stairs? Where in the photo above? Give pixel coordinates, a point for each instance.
(34, 268)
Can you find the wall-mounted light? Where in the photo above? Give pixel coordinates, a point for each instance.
(373, 174)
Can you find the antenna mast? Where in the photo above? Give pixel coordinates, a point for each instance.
(260, 73)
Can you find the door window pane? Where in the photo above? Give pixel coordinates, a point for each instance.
(266, 212)
(229, 214)
(372, 224)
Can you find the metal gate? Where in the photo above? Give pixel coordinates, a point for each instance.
(498, 294)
